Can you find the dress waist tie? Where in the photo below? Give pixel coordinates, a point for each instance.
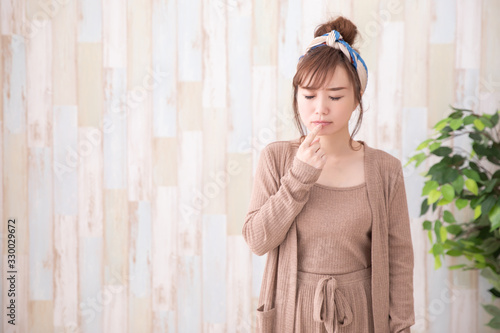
(334, 310)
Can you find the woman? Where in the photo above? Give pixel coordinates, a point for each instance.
(331, 212)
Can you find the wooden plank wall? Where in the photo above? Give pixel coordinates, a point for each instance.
(130, 132)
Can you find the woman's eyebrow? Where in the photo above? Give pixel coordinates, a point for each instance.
(333, 89)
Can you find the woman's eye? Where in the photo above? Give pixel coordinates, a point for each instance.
(333, 98)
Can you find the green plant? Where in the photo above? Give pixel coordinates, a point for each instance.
(461, 178)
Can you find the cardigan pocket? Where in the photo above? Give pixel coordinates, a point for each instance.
(265, 320)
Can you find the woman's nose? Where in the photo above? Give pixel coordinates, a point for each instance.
(322, 106)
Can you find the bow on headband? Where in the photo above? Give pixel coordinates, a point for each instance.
(334, 39)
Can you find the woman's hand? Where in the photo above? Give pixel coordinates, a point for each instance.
(310, 151)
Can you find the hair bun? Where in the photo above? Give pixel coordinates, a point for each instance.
(347, 29)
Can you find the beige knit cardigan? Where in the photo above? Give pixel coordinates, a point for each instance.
(280, 190)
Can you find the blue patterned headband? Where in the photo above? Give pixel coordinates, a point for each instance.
(334, 39)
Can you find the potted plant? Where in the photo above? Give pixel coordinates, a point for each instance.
(460, 178)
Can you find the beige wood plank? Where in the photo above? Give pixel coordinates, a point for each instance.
(488, 93)
(165, 161)
(164, 250)
(39, 87)
(215, 175)
(190, 113)
(64, 51)
(65, 273)
(41, 314)
(214, 50)
(13, 17)
(265, 28)
(90, 182)
(116, 237)
(468, 40)
(115, 308)
(192, 200)
(114, 33)
(417, 23)
(390, 88)
(240, 309)
(239, 170)
(90, 84)
(441, 81)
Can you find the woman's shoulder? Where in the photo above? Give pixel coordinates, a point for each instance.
(385, 160)
(280, 148)
(280, 153)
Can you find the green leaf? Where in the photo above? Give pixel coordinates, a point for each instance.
(494, 323)
(427, 225)
(437, 231)
(434, 195)
(424, 207)
(488, 204)
(494, 216)
(491, 245)
(434, 146)
(454, 253)
(479, 257)
(437, 262)
(429, 234)
(429, 186)
(456, 123)
(419, 158)
(456, 266)
(469, 120)
(424, 144)
(471, 174)
(491, 185)
(477, 212)
(491, 309)
(441, 124)
(486, 121)
(461, 203)
(480, 265)
(494, 119)
(443, 233)
(454, 229)
(437, 249)
(479, 124)
(448, 192)
(442, 151)
(443, 202)
(448, 217)
(458, 184)
(492, 277)
(471, 185)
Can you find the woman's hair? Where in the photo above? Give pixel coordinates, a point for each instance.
(321, 63)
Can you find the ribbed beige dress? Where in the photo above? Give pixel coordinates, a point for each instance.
(334, 261)
(285, 188)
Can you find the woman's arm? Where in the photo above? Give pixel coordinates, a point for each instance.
(272, 207)
(401, 261)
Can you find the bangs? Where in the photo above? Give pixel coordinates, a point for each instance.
(317, 67)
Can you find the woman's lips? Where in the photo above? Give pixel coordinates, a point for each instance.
(322, 122)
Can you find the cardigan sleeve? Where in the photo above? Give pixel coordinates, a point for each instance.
(275, 202)
(401, 260)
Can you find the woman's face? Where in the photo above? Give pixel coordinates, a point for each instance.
(333, 106)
